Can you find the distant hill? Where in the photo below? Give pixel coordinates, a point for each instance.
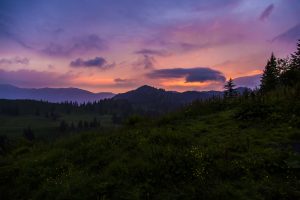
(147, 94)
(154, 99)
(144, 97)
(51, 94)
(159, 99)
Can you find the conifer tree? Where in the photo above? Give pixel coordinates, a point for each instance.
(295, 62)
(291, 76)
(229, 89)
(270, 77)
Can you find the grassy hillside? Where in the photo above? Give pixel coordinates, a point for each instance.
(243, 148)
(45, 128)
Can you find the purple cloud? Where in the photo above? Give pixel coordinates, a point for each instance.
(197, 74)
(14, 61)
(147, 62)
(97, 62)
(267, 12)
(76, 46)
(119, 82)
(56, 50)
(248, 81)
(153, 52)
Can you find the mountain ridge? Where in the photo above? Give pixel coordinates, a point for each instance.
(51, 94)
(142, 95)
(153, 98)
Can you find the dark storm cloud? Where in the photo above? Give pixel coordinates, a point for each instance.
(197, 74)
(267, 12)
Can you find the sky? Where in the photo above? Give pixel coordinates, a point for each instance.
(119, 45)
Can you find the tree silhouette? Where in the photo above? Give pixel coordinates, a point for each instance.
(295, 62)
(229, 89)
(291, 75)
(270, 77)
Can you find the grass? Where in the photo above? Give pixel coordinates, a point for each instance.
(13, 126)
(212, 156)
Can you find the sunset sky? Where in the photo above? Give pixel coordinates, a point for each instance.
(118, 45)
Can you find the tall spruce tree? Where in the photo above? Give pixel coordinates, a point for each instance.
(270, 77)
(229, 89)
(295, 62)
(291, 76)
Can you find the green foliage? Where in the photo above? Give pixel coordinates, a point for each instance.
(28, 134)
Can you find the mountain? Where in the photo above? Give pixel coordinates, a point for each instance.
(143, 97)
(51, 94)
(150, 98)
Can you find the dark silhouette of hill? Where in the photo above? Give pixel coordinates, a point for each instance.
(145, 94)
(152, 99)
(149, 95)
(51, 94)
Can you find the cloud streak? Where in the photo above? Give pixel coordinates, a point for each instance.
(197, 74)
(291, 35)
(267, 12)
(153, 52)
(14, 61)
(119, 82)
